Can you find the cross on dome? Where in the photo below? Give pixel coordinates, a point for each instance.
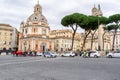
(38, 1)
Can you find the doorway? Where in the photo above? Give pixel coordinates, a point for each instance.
(43, 49)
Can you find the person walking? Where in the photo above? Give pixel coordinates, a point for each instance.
(84, 54)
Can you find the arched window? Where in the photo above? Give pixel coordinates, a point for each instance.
(36, 47)
(37, 9)
(34, 30)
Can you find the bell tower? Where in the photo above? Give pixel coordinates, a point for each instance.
(97, 11)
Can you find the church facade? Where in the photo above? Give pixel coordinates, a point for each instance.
(34, 33)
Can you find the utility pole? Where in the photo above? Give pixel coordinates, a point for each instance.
(98, 35)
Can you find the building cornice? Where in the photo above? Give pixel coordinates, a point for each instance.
(37, 26)
(35, 38)
(7, 25)
(6, 29)
(63, 37)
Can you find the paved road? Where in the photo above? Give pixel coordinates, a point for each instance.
(39, 68)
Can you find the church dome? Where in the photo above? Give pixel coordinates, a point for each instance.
(37, 15)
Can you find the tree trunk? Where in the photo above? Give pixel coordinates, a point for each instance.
(73, 36)
(86, 34)
(92, 34)
(92, 41)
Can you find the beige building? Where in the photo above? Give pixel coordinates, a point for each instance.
(8, 37)
(117, 40)
(63, 40)
(34, 33)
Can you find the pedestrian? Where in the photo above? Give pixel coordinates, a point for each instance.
(81, 52)
(35, 53)
(84, 54)
(89, 52)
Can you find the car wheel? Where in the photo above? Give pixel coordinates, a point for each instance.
(109, 56)
(95, 56)
(51, 56)
(62, 56)
(70, 55)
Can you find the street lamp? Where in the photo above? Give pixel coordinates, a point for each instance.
(98, 35)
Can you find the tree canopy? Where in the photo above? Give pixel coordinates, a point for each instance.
(114, 18)
(74, 21)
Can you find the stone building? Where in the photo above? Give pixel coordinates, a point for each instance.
(34, 33)
(63, 40)
(8, 37)
(117, 40)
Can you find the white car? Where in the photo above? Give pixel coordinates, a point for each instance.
(113, 54)
(67, 54)
(50, 55)
(39, 54)
(94, 54)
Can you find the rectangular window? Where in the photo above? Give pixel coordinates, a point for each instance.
(5, 42)
(10, 34)
(5, 33)
(44, 31)
(33, 30)
(26, 31)
(9, 43)
(5, 37)
(57, 45)
(22, 30)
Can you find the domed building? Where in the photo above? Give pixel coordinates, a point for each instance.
(34, 33)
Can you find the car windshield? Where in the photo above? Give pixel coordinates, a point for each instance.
(116, 51)
(46, 53)
(92, 51)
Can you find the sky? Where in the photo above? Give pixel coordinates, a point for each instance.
(13, 12)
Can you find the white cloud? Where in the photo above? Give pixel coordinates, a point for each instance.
(13, 12)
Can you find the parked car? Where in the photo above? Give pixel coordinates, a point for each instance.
(113, 54)
(68, 54)
(39, 54)
(94, 54)
(50, 55)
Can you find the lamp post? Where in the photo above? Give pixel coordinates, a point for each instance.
(98, 36)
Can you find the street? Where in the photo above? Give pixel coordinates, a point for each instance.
(60, 68)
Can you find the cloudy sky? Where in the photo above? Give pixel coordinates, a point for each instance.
(14, 11)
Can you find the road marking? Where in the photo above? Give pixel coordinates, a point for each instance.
(29, 60)
(23, 59)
